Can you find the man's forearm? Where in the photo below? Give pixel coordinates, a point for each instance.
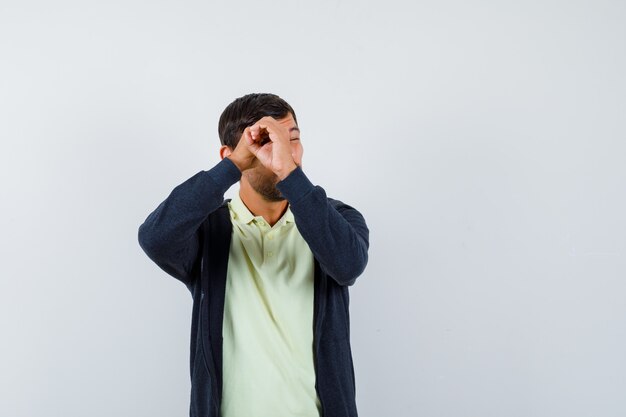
(169, 235)
(338, 237)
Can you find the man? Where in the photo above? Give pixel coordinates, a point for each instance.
(269, 272)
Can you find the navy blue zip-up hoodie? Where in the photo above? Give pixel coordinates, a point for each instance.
(188, 236)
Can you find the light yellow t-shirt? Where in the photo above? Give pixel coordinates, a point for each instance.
(267, 333)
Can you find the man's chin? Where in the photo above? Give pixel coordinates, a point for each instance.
(273, 199)
(268, 193)
(265, 187)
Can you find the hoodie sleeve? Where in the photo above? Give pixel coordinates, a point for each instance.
(335, 232)
(170, 235)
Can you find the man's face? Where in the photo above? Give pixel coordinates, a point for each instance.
(261, 179)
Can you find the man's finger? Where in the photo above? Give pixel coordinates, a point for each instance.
(255, 130)
(262, 136)
(263, 123)
(248, 136)
(278, 130)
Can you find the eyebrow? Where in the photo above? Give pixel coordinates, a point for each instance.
(294, 128)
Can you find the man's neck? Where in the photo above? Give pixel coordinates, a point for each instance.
(271, 211)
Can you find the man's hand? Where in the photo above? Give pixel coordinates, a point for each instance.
(241, 156)
(275, 154)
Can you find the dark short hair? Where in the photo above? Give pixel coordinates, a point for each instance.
(245, 111)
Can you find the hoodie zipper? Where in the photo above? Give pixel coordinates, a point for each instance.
(317, 337)
(211, 374)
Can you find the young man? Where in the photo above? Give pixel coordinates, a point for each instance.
(269, 273)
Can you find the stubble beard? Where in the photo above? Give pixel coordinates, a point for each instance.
(264, 185)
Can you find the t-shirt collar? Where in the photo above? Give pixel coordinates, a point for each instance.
(241, 211)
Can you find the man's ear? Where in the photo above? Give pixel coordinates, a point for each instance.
(225, 151)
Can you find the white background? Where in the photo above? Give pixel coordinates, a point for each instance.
(483, 142)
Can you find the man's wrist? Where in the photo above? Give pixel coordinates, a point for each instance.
(285, 172)
(225, 173)
(295, 186)
(238, 163)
